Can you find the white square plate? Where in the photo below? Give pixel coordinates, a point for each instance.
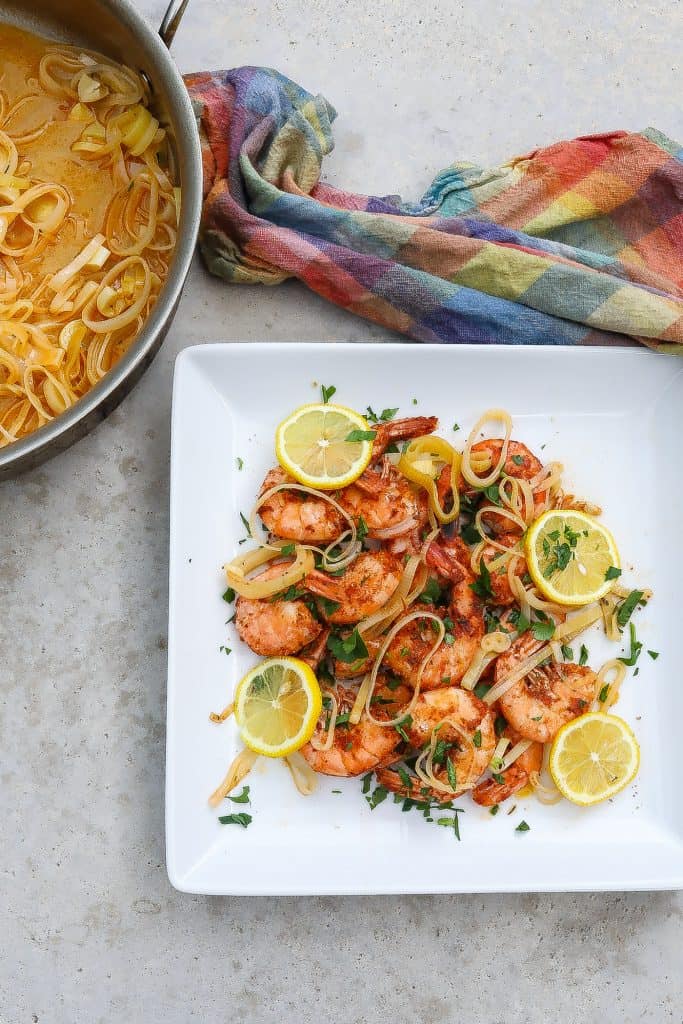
(614, 417)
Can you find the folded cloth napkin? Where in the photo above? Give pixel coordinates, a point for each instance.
(577, 243)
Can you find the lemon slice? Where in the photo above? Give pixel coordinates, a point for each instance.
(593, 757)
(312, 445)
(572, 557)
(277, 706)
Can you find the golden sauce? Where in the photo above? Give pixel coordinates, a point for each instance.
(50, 157)
(88, 222)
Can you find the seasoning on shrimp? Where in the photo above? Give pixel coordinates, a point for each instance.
(413, 594)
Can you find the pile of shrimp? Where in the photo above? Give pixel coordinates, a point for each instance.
(413, 707)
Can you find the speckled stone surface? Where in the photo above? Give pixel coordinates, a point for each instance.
(90, 929)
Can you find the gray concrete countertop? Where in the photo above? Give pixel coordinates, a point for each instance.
(90, 929)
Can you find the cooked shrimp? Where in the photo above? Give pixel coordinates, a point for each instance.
(464, 622)
(295, 515)
(465, 731)
(548, 697)
(275, 628)
(314, 652)
(351, 670)
(366, 586)
(490, 792)
(356, 749)
(520, 463)
(401, 430)
(386, 501)
(500, 583)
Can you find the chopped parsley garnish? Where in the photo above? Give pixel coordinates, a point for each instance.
(361, 435)
(451, 822)
(543, 630)
(292, 593)
(327, 392)
(493, 811)
(451, 773)
(414, 401)
(583, 657)
(482, 585)
(500, 725)
(226, 649)
(628, 606)
(361, 529)
(440, 750)
(384, 417)
(392, 684)
(519, 621)
(653, 654)
(470, 534)
(481, 689)
(449, 639)
(492, 492)
(558, 549)
(348, 649)
(401, 727)
(240, 462)
(287, 549)
(518, 460)
(476, 739)
(367, 782)
(567, 652)
(245, 523)
(497, 777)
(456, 428)
(523, 827)
(379, 794)
(432, 592)
(636, 648)
(241, 798)
(242, 819)
(602, 696)
(328, 607)
(613, 573)
(229, 595)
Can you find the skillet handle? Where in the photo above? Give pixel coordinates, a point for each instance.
(171, 20)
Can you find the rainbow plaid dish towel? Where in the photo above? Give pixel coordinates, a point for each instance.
(577, 243)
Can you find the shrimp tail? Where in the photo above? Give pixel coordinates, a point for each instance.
(489, 792)
(445, 562)
(321, 584)
(314, 652)
(401, 430)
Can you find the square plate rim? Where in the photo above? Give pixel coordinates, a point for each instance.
(672, 882)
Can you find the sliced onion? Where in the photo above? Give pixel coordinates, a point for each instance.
(238, 770)
(326, 744)
(466, 465)
(490, 647)
(238, 570)
(302, 774)
(617, 670)
(223, 715)
(397, 530)
(522, 670)
(517, 751)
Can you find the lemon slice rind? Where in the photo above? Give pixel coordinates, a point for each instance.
(311, 446)
(583, 580)
(593, 758)
(277, 705)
